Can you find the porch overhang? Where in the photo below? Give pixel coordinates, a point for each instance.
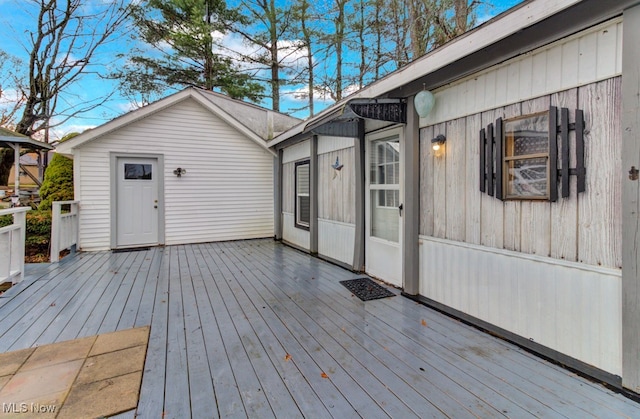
(344, 121)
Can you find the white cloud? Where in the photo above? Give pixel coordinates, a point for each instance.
(290, 52)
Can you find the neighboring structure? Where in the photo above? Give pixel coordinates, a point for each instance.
(19, 143)
(193, 167)
(525, 221)
(29, 171)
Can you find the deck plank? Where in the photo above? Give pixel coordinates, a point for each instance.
(202, 396)
(224, 384)
(122, 291)
(151, 402)
(36, 314)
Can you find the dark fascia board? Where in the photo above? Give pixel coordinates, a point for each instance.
(567, 22)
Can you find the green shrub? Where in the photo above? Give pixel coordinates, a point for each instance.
(6, 220)
(58, 182)
(38, 233)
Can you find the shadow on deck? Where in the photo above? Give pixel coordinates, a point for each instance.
(257, 329)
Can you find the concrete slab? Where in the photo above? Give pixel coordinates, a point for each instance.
(4, 380)
(59, 352)
(123, 339)
(112, 364)
(103, 398)
(10, 362)
(33, 384)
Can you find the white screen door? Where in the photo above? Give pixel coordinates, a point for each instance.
(136, 202)
(384, 203)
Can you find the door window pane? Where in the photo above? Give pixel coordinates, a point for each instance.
(384, 184)
(137, 171)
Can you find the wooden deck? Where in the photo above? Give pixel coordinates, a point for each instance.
(257, 329)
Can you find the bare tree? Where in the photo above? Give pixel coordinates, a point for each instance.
(12, 82)
(65, 38)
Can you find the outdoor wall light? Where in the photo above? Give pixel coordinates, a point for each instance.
(438, 142)
(180, 171)
(424, 102)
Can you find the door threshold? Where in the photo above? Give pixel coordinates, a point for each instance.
(130, 249)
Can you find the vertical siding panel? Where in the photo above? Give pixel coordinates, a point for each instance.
(350, 182)
(570, 60)
(564, 212)
(502, 86)
(619, 49)
(455, 169)
(535, 231)
(526, 78)
(323, 185)
(512, 209)
(513, 83)
(287, 188)
(490, 89)
(480, 100)
(539, 73)
(607, 56)
(492, 215)
(473, 194)
(600, 224)
(439, 187)
(426, 182)
(554, 70)
(587, 58)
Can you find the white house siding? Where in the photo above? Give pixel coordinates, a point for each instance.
(572, 308)
(225, 195)
(336, 198)
(545, 271)
(290, 233)
(592, 55)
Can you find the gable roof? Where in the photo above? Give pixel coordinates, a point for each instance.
(529, 25)
(256, 123)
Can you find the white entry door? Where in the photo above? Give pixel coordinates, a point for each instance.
(136, 202)
(383, 258)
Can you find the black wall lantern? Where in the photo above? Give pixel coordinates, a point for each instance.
(180, 171)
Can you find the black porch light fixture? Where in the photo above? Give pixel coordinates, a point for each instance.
(438, 142)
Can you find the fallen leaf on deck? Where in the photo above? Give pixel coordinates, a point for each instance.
(424, 322)
(287, 357)
(323, 375)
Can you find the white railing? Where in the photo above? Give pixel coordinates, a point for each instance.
(12, 245)
(64, 227)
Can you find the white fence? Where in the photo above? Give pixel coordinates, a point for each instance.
(12, 239)
(64, 227)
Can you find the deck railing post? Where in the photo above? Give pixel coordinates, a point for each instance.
(64, 228)
(12, 239)
(56, 212)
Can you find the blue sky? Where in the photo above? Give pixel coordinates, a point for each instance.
(16, 22)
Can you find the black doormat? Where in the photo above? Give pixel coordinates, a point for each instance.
(130, 249)
(365, 289)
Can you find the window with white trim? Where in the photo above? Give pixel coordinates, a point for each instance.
(302, 198)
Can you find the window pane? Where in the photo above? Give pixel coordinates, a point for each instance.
(304, 210)
(527, 177)
(385, 221)
(384, 162)
(528, 135)
(137, 171)
(302, 178)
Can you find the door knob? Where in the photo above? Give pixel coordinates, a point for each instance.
(400, 209)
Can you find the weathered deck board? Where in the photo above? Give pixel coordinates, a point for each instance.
(248, 328)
